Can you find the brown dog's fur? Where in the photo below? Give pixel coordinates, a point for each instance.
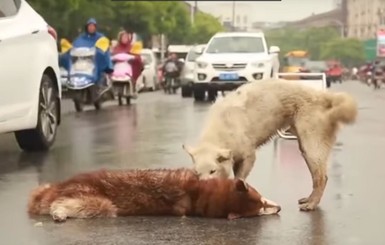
(177, 192)
(250, 116)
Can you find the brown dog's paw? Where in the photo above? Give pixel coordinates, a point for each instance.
(303, 200)
(309, 206)
(59, 216)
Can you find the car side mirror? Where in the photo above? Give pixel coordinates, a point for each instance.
(274, 50)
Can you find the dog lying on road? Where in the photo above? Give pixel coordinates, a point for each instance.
(250, 116)
(176, 192)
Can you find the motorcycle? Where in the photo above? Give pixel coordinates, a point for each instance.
(82, 82)
(121, 78)
(171, 83)
(171, 77)
(368, 78)
(378, 78)
(63, 78)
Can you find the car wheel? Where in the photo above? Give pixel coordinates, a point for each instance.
(78, 105)
(212, 94)
(43, 136)
(186, 91)
(199, 94)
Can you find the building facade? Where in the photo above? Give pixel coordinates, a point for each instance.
(365, 18)
(334, 18)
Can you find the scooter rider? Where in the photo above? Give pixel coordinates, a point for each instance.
(172, 67)
(91, 38)
(124, 45)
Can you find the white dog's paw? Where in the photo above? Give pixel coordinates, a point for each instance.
(309, 206)
(303, 200)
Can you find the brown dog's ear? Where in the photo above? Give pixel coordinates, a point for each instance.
(188, 149)
(241, 185)
(224, 155)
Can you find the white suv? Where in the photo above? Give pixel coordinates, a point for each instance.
(29, 76)
(231, 59)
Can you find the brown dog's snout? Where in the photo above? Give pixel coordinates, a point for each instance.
(269, 207)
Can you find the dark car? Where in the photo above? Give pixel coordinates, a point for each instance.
(314, 66)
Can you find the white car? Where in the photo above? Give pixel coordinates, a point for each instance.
(231, 59)
(187, 76)
(30, 93)
(148, 78)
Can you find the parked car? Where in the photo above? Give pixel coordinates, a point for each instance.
(30, 93)
(149, 77)
(231, 59)
(187, 77)
(314, 66)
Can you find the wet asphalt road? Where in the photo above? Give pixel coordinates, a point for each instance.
(150, 134)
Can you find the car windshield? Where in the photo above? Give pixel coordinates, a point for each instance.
(237, 44)
(316, 66)
(192, 55)
(296, 61)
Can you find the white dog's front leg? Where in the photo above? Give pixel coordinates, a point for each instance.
(244, 167)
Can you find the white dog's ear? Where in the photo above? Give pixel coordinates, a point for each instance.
(188, 149)
(224, 155)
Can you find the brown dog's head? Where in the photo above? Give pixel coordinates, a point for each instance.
(210, 161)
(245, 201)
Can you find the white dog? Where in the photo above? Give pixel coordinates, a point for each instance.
(251, 115)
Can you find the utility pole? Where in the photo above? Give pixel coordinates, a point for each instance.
(233, 19)
(193, 11)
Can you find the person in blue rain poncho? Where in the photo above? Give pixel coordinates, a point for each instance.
(91, 38)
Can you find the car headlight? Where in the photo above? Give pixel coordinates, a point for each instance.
(202, 65)
(189, 76)
(258, 64)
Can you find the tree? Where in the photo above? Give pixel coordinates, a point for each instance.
(143, 17)
(322, 43)
(205, 26)
(349, 51)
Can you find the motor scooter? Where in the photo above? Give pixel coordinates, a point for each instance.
(63, 78)
(82, 80)
(121, 78)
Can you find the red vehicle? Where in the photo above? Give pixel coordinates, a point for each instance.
(334, 72)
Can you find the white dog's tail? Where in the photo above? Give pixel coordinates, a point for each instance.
(343, 108)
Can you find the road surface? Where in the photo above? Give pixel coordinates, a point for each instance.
(150, 134)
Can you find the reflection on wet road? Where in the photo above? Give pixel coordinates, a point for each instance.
(150, 135)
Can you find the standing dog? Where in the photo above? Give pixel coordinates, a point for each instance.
(251, 115)
(148, 192)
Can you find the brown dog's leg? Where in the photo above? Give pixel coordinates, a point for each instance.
(82, 207)
(315, 143)
(244, 168)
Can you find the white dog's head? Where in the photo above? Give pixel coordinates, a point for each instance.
(210, 161)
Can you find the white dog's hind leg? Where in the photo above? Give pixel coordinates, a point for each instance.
(244, 168)
(315, 145)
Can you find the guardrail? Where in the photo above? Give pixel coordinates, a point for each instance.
(315, 80)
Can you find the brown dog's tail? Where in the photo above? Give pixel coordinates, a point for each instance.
(343, 108)
(39, 201)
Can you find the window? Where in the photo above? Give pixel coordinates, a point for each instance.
(236, 44)
(9, 7)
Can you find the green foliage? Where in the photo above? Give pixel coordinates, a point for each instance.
(349, 51)
(204, 27)
(322, 43)
(144, 17)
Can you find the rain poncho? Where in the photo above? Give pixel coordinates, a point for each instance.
(102, 57)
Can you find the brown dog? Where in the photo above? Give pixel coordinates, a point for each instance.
(179, 192)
